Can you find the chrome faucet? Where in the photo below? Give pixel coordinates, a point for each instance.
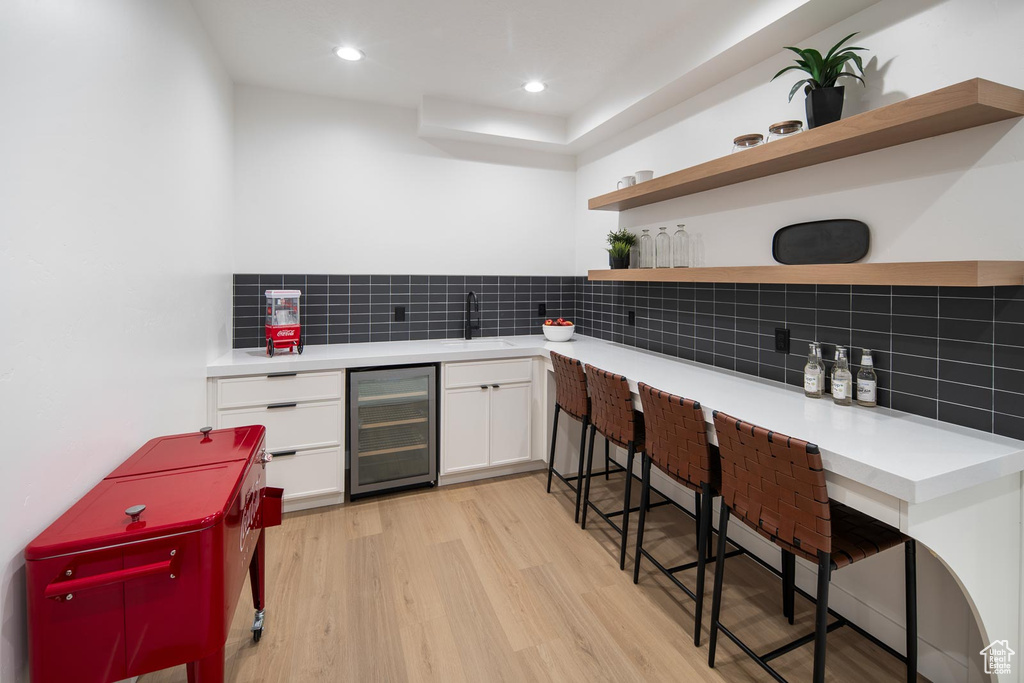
(472, 307)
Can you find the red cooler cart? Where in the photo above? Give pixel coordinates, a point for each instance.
(144, 572)
(282, 329)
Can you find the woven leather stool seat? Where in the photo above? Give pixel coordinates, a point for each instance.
(775, 484)
(612, 411)
(676, 439)
(570, 397)
(856, 536)
(570, 386)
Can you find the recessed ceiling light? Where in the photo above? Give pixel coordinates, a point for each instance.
(349, 54)
(534, 86)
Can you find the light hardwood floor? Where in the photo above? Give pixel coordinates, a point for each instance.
(492, 581)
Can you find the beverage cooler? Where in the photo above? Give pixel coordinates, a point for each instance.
(392, 429)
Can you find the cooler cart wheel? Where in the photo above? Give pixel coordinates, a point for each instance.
(298, 347)
(257, 626)
(270, 348)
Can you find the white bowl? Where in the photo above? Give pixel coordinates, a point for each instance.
(558, 333)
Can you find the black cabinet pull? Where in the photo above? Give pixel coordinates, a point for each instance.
(281, 405)
(495, 386)
(483, 386)
(283, 454)
(282, 374)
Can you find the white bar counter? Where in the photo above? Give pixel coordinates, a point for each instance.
(958, 491)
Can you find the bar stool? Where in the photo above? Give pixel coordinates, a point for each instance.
(677, 444)
(571, 397)
(613, 415)
(775, 484)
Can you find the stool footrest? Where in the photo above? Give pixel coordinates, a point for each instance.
(799, 642)
(693, 564)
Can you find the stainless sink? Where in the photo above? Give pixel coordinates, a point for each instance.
(478, 344)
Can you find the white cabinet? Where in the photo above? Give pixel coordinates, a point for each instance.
(486, 415)
(510, 423)
(465, 429)
(305, 418)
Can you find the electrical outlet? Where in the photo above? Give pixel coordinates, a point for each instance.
(542, 310)
(399, 314)
(782, 339)
(632, 317)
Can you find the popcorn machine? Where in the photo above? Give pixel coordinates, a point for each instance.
(283, 329)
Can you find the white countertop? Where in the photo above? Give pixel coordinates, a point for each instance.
(909, 457)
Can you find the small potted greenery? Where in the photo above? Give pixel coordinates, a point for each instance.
(619, 244)
(824, 102)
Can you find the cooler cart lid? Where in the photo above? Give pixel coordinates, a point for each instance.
(190, 450)
(185, 485)
(176, 502)
(282, 293)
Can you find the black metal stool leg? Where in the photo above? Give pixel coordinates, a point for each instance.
(551, 459)
(645, 496)
(579, 467)
(703, 532)
(625, 509)
(788, 584)
(607, 458)
(696, 518)
(911, 569)
(716, 597)
(586, 485)
(821, 615)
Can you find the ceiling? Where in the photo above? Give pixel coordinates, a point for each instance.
(467, 59)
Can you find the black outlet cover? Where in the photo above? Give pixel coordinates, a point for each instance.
(782, 340)
(542, 310)
(632, 317)
(399, 314)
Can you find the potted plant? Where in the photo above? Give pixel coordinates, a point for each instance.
(824, 102)
(619, 244)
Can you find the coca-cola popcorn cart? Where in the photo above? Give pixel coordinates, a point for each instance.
(283, 329)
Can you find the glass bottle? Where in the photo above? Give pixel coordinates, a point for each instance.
(842, 380)
(646, 249)
(680, 248)
(824, 369)
(663, 249)
(634, 254)
(867, 381)
(697, 250)
(813, 371)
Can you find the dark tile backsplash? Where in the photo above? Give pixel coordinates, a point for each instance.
(954, 354)
(341, 309)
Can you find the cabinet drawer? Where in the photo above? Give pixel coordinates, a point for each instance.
(307, 473)
(235, 392)
(306, 425)
(488, 372)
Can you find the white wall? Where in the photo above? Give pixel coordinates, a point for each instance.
(325, 185)
(115, 188)
(951, 197)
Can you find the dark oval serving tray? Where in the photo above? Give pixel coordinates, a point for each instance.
(840, 240)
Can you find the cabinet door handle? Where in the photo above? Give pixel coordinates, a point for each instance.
(483, 387)
(282, 374)
(495, 386)
(283, 454)
(275, 406)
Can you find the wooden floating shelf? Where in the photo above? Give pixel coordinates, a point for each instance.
(965, 105)
(932, 273)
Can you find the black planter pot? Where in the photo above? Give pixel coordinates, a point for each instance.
(824, 105)
(618, 263)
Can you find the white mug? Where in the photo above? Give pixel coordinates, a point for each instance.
(643, 176)
(627, 181)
